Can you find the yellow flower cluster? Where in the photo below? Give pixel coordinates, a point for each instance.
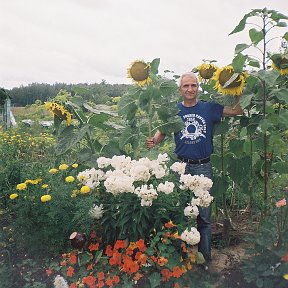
(59, 111)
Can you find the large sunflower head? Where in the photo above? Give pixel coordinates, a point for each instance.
(206, 71)
(139, 72)
(229, 82)
(59, 111)
(280, 63)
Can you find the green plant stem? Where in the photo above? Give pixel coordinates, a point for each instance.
(150, 119)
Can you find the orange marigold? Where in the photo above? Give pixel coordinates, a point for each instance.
(100, 275)
(120, 244)
(89, 280)
(141, 245)
(93, 247)
(72, 259)
(109, 251)
(70, 271)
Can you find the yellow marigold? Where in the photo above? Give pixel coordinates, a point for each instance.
(44, 186)
(73, 195)
(75, 165)
(69, 179)
(46, 198)
(63, 167)
(13, 196)
(139, 72)
(285, 276)
(206, 71)
(21, 186)
(34, 182)
(59, 111)
(85, 189)
(224, 75)
(53, 171)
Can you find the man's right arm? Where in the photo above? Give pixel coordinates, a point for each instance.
(157, 138)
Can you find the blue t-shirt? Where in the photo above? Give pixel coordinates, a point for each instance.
(195, 141)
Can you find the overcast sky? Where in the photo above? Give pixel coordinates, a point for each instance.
(85, 41)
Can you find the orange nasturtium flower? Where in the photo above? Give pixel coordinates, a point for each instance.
(70, 271)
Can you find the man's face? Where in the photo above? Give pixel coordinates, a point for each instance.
(189, 88)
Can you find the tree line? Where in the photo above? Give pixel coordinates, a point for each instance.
(97, 92)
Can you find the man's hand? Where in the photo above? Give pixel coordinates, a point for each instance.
(150, 143)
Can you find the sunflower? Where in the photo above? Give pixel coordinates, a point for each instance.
(206, 71)
(139, 73)
(59, 111)
(225, 75)
(280, 63)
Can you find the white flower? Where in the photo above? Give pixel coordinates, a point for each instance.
(195, 201)
(194, 182)
(163, 158)
(191, 211)
(91, 177)
(146, 202)
(157, 169)
(178, 167)
(121, 162)
(191, 237)
(96, 212)
(60, 282)
(119, 184)
(103, 162)
(166, 187)
(146, 193)
(140, 172)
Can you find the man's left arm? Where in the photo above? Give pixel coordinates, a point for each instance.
(233, 111)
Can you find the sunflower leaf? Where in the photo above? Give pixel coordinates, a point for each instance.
(281, 94)
(254, 63)
(276, 16)
(240, 47)
(154, 65)
(241, 25)
(285, 36)
(255, 36)
(238, 63)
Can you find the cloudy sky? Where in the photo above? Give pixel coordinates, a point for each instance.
(85, 41)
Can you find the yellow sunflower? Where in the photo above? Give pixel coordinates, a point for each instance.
(206, 71)
(278, 62)
(224, 76)
(60, 111)
(139, 72)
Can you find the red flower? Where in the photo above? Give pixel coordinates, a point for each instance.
(89, 280)
(70, 271)
(281, 203)
(90, 267)
(141, 257)
(100, 284)
(63, 263)
(73, 285)
(93, 247)
(285, 258)
(109, 251)
(120, 244)
(49, 271)
(109, 282)
(93, 234)
(116, 279)
(101, 276)
(177, 272)
(72, 259)
(166, 274)
(141, 245)
(169, 224)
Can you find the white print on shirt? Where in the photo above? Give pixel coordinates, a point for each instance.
(195, 127)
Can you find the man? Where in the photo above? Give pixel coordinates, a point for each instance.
(194, 143)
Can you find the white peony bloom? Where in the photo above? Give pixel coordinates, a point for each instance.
(60, 282)
(194, 182)
(195, 201)
(162, 158)
(146, 193)
(166, 187)
(191, 237)
(103, 162)
(121, 162)
(146, 202)
(159, 171)
(96, 212)
(140, 172)
(91, 177)
(119, 184)
(191, 211)
(178, 167)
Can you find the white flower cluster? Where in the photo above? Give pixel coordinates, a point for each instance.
(195, 182)
(178, 167)
(191, 237)
(117, 184)
(91, 177)
(60, 282)
(96, 212)
(166, 187)
(147, 194)
(191, 211)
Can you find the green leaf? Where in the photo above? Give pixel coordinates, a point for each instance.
(174, 124)
(269, 77)
(281, 24)
(280, 167)
(254, 63)
(222, 127)
(281, 94)
(285, 36)
(265, 125)
(241, 47)
(82, 91)
(154, 65)
(69, 137)
(255, 36)
(100, 108)
(239, 62)
(96, 119)
(155, 280)
(245, 100)
(168, 87)
(276, 16)
(241, 25)
(283, 119)
(127, 107)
